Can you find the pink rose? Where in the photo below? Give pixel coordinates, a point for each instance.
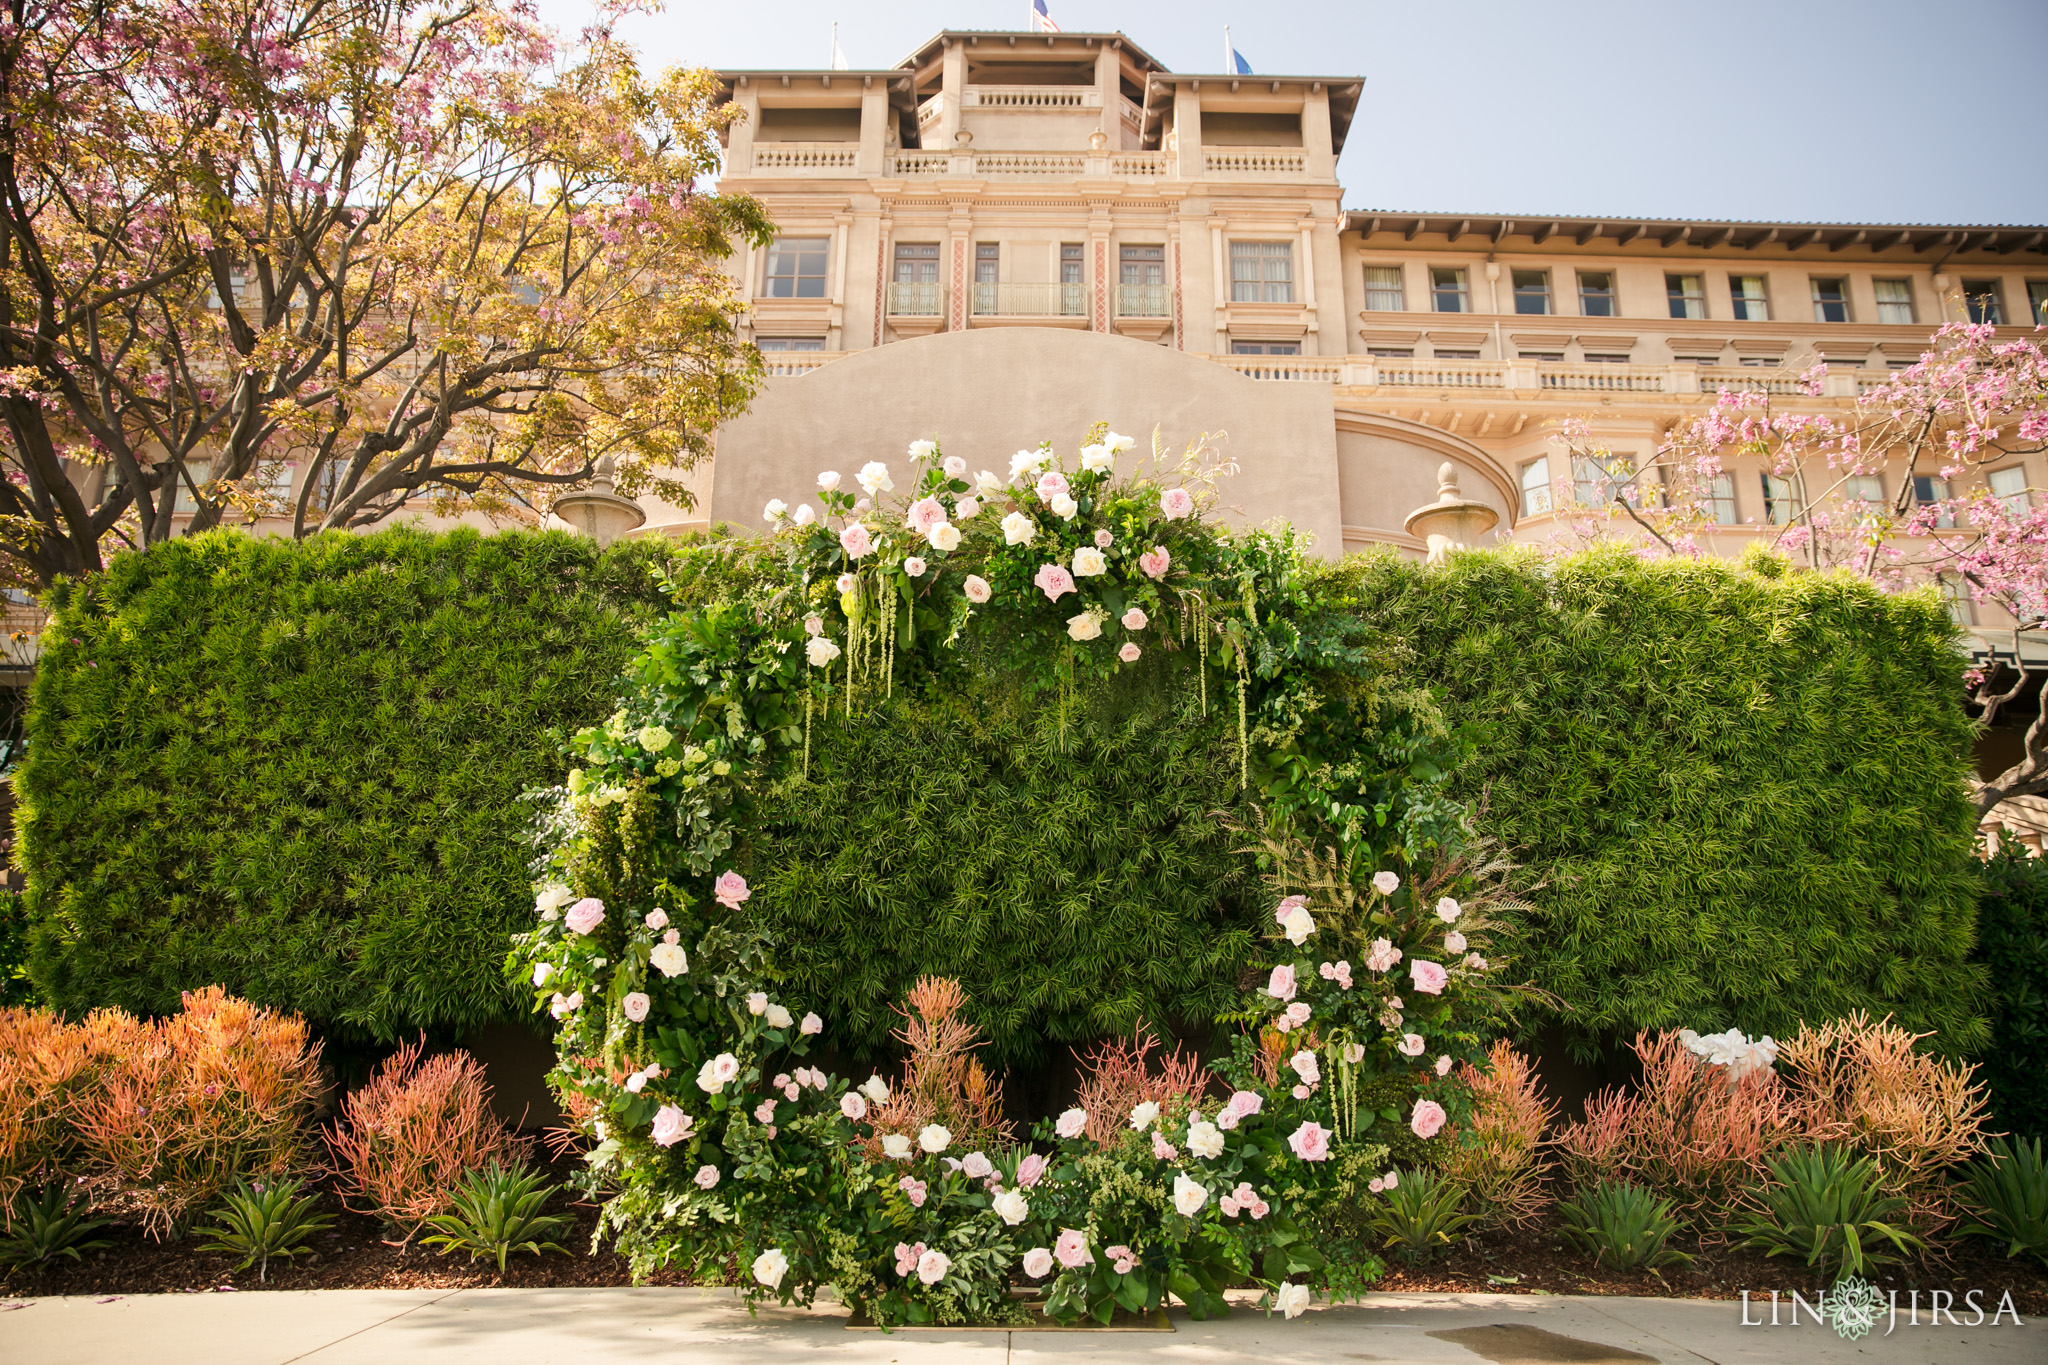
(976, 588)
(657, 920)
(855, 541)
(1297, 1014)
(1383, 957)
(906, 1258)
(1038, 1263)
(1454, 942)
(1311, 1141)
(914, 567)
(706, 1177)
(1229, 1206)
(977, 1166)
(955, 467)
(1429, 978)
(730, 889)
(1051, 484)
(671, 1125)
(1052, 580)
(1376, 1184)
(844, 583)
(1136, 619)
(1288, 907)
(811, 1024)
(853, 1106)
(1072, 1248)
(1031, 1170)
(1301, 1092)
(1428, 1117)
(1161, 1148)
(1443, 1066)
(1103, 539)
(913, 1190)
(1129, 653)
(1410, 1045)
(636, 1005)
(1175, 503)
(764, 1112)
(1154, 561)
(924, 514)
(1072, 1123)
(1341, 974)
(1281, 984)
(1393, 1179)
(584, 915)
(1245, 1103)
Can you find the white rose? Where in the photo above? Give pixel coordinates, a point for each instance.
(1448, 910)
(1088, 562)
(1188, 1195)
(874, 478)
(1086, 626)
(770, 1266)
(776, 509)
(944, 536)
(1028, 462)
(966, 509)
(989, 482)
(875, 1088)
(778, 1017)
(1143, 1115)
(1117, 444)
(553, 896)
(1292, 1300)
(804, 515)
(1386, 883)
(933, 1138)
(669, 959)
(707, 1078)
(1018, 529)
(1095, 459)
(923, 450)
(1299, 924)
(896, 1146)
(1010, 1206)
(757, 1003)
(820, 651)
(1063, 507)
(541, 972)
(1205, 1140)
(828, 481)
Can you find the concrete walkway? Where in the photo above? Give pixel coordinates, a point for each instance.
(608, 1326)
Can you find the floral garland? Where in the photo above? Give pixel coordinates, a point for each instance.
(714, 1137)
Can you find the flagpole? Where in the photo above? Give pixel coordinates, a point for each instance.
(1229, 54)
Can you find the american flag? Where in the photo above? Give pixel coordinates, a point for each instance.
(1041, 21)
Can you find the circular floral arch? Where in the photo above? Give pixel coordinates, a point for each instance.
(715, 1142)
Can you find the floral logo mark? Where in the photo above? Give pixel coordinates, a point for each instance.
(1852, 1307)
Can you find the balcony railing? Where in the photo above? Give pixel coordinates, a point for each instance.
(1754, 381)
(916, 300)
(920, 163)
(789, 364)
(1029, 300)
(1607, 378)
(1139, 163)
(1144, 301)
(1442, 374)
(1255, 160)
(1031, 97)
(1312, 368)
(1030, 163)
(804, 156)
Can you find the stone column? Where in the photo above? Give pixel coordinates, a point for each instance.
(1187, 130)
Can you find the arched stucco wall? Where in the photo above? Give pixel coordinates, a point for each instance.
(1387, 467)
(988, 393)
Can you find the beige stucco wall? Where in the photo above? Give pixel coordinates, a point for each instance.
(985, 394)
(1388, 467)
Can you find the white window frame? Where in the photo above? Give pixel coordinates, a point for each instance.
(1894, 312)
(1537, 495)
(1686, 302)
(2009, 486)
(1378, 293)
(1750, 307)
(798, 248)
(1462, 290)
(1253, 278)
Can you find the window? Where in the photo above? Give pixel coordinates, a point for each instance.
(1532, 291)
(1830, 300)
(1748, 293)
(274, 481)
(1383, 293)
(1596, 293)
(1265, 348)
(1981, 298)
(2037, 301)
(1606, 358)
(1391, 352)
(1457, 354)
(1696, 359)
(2009, 486)
(917, 263)
(1688, 295)
(1536, 487)
(1073, 293)
(988, 261)
(1141, 282)
(790, 343)
(1863, 488)
(1895, 301)
(796, 268)
(1955, 595)
(1448, 293)
(1552, 357)
(1721, 494)
(1262, 272)
(1594, 483)
(1931, 488)
(1756, 361)
(1782, 503)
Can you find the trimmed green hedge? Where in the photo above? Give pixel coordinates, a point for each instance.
(2012, 944)
(1741, 789)
(295, 769)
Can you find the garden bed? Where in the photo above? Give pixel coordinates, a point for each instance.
(1532, 1260)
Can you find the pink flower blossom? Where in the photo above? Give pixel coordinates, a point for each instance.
(924, 514)
(1376, 1184)
(671, 1125)
(914, 567)
(1129, 652)
(1038, 1263)
(977, 1166)
(1031, 1170)
(1161, 1148)
(913, 1190)
(1429, 978)
(636, 1005)
(1053, 581)
(1280, 985)
(584, 915)
(1135, 619)
(1051, 484)
(1296, 1014)
(1310, 1142)
(1072, 1123)
(976, 588)
(1103, 539)
(1174, 504)
(853, 1105)
(1411, 1045)
(1071, 1249)
(1155, 561)
(657, 919)
(1383, 957)
(764, 1112)
(730, 889)
(856, 541)
(907, 1258)
(706, 1177)
(811, 1024)
(1454, 942)
(1427, 1119)
(1443, 1066)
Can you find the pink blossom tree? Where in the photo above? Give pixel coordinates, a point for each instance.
(325, 259)
(1971, 402)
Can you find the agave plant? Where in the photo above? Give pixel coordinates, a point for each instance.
(497, 1211)
(258, 1222)
(2006, 1192)
(1421, 1213)
(1624, 1225)
(1829, 1209)
(45, 1224)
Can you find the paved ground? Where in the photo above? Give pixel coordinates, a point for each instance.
(621, 1326)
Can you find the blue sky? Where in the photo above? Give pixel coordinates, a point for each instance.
(1790, 110)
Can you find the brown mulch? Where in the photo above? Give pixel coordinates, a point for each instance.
(355, 1255)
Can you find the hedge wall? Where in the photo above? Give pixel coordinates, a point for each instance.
(295, 770)
(2012, 945)
(1742, 788)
